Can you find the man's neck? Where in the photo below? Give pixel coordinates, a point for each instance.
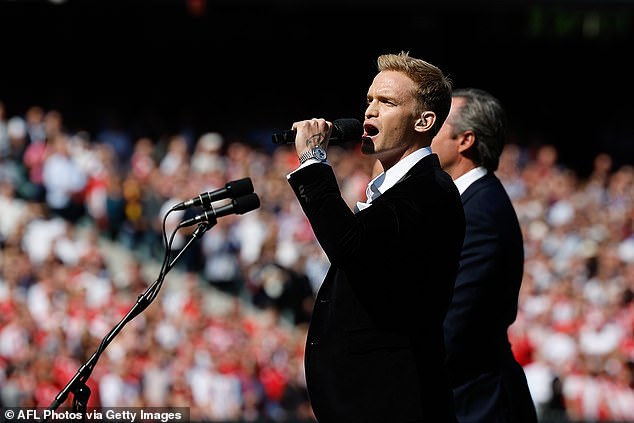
(461, 168)
(388, 162)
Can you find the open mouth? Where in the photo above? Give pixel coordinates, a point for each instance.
(369, 131)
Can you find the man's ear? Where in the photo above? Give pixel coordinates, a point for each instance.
(426, 121)
(466, 140)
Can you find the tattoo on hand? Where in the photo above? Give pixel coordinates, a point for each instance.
(315, 140)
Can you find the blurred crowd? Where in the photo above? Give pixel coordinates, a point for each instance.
(63, 191)
(575, 331)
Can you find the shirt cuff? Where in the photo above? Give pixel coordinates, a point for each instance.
(307, 163)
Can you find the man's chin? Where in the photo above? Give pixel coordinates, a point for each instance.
(367, 146)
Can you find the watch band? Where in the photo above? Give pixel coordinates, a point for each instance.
(316, 153)
(308, 154)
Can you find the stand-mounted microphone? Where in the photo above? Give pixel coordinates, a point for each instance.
(231, 189)
(240, 205)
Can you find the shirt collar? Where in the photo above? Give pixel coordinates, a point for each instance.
(463, 182)
(387, 180)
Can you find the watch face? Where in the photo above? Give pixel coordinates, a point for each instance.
(319, 153)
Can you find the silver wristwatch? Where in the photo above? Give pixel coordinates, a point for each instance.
(317, 153)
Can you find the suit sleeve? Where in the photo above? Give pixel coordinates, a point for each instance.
(477, 260)
(347, 239)
(490, 267)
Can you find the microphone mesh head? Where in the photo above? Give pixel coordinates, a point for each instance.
(246, 203)
(347, 129)
(240, 187)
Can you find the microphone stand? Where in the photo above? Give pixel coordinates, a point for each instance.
(77, 385)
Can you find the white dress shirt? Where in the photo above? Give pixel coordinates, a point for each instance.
(387, 180)
(463, 182)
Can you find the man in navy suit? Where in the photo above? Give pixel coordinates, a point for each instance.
(489, 385)
(375, 351)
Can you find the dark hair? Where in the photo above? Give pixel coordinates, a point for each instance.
(483, 114)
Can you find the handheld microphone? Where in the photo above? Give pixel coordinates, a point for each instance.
(231, 189)
(342, 130)
(240, 205)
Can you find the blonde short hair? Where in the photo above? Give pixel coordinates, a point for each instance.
(433, 88)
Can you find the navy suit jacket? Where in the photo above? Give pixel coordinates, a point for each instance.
(375, 351)
(489, 385)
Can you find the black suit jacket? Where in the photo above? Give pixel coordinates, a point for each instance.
(375, 349)
(489, 385)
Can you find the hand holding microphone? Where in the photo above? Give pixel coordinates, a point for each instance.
(311, 137)
(343, 130)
